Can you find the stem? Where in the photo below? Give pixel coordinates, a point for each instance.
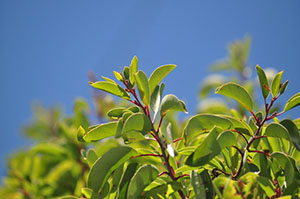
(154, 133)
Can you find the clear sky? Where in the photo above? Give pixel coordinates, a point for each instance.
(48, 47)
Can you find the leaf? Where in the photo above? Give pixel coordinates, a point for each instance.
(206, 151)
(283, 87)
(116, 112)
(236, 92)
(261, 161)
(133, 69)
(118, 76)
(137, 122)
(111, 88)
(116, 178)
(287, 166)
(238, 124)
(293, 132)
(141, 179)
(91, 157)
(204, 122)
(266, 185)
(276, 83)
(108, 80)
(156, 98)
(100, 132)
(158, 75)
(49, 149)
(80, 134)
(263, 81)
(276, 130)
(171, 102)
(202, 184)
(226, 139)
(105, 165)
(292, 102)
(143, 87)
(126, 72)
(126, 178)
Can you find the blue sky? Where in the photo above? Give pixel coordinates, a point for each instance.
(48, 47)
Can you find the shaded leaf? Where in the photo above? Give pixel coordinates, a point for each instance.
(276, 130)
(156, 98)
(105, 165)
(158, 75)
(266, 185)
(126, 178)
(141, 179)
(283, 87)
(137, 122)
(293, 132)
(111, 88)
(236, 92)
(226, 139)
(202, 184)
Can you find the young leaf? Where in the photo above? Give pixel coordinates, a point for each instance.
(111, 88)
(204, 122)
(141, 179)
(133, 69)
(118, 76)
(158, 75)
(276, 130)
(292, 102)
(105, 165)
(143, 87)
(109, 80)
(276, 83)
(100, 132)
(207, 150)
(80, 134)
(283, 87)
(264, 84)
(171, 102)
(126, 72)
(236, 92)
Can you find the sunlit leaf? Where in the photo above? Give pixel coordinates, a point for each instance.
(226, 139)
(133, 69)
(111, 88)
(292, 102)
(204, 122)
(118, 76)
(171, 102)
(264, 84)
(236, 92)
(143, 87)
(158, 75)
(276, 83)
(137, 122)
(100, 132)
(105, 165)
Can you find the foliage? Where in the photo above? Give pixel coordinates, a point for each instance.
(140, 149)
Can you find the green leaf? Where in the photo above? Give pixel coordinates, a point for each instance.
(287, 166)
(116, 178)
(236, 92)
(206, 151)
(116, 112)
(276, 83)
(238, 124)
(226, 139)
(126, 72)
(261, 161)
(119, 128)
(108, 80)
(171, 102)
(126, 178)
(204, 122)
(137, 122)
(293, 132)
(118, 76)
(133, 69)
(202, 184)
(283, 87)
(158, 75)
(80, 133)
(263, 81)
(292, 102)
(100, 132)
(276, 130)
(106, 164)
(141, 179)
(111, 88)
(49, 148)
(91, 157)
(156, 98)
(266, 185)
(143, 87)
